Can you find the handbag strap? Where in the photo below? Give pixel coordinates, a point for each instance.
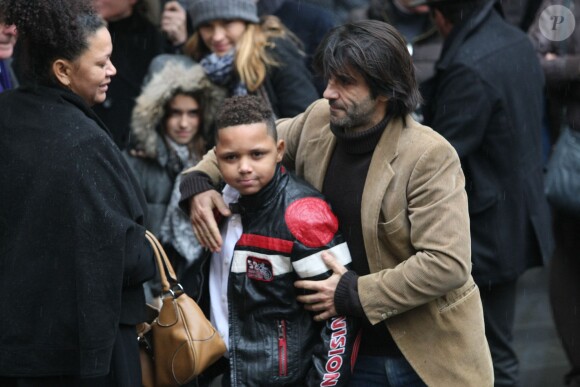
(166, 272)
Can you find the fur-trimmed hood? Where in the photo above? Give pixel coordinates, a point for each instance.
(167, 74)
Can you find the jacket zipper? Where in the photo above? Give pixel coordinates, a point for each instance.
(282, 349)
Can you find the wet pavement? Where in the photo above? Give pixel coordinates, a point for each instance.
(542, 359)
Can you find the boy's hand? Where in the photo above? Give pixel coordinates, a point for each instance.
(322, 298)
(203, 219)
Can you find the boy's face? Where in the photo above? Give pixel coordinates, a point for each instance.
(247, 156)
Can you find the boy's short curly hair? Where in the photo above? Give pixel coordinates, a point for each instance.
(245, 110)
(49, 30)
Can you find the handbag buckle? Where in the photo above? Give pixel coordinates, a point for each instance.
(175, 292)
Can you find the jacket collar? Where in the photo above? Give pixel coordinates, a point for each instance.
(461, 32)
(378, 179)
(322, 146)
(380, 171)
(70, 97)
(82, 105)
(361, 142)
(252, 203)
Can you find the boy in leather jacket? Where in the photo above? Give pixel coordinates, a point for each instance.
(278, 231)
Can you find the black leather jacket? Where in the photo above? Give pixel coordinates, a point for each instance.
(274, 341)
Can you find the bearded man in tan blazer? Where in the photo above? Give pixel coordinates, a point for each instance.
(398, 190)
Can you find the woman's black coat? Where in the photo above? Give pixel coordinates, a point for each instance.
(73, 253)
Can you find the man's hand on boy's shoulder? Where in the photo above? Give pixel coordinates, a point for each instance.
(203, 219)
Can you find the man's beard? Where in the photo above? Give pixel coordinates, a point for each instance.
(356, 117)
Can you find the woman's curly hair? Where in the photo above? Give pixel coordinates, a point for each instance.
(49, 30)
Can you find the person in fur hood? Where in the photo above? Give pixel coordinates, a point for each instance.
(171, 123)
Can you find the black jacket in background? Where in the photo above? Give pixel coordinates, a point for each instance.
(289, 86)
(308, 22)
(486, 99)
(73, 253)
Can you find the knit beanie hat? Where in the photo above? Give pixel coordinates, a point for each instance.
(203, 11)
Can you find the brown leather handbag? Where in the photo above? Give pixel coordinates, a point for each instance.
(184, 343)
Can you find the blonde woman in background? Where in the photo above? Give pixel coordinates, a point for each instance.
(250, 56)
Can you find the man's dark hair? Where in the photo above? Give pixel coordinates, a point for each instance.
(49, 30)
(456, 11)
(375, 50)
(245, 110)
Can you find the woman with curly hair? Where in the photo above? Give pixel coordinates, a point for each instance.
(249, 55)
(73, 252)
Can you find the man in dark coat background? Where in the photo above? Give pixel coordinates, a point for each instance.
(415, 24)
(486, 99)
(307, 21)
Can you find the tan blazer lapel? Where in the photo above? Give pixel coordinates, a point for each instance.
(378, 179)
(318, 152)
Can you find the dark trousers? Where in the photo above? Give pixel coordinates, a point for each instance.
(565, 290)
(499, 302)
(384, 371)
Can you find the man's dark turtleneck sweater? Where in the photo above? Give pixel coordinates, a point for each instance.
(343, 188)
